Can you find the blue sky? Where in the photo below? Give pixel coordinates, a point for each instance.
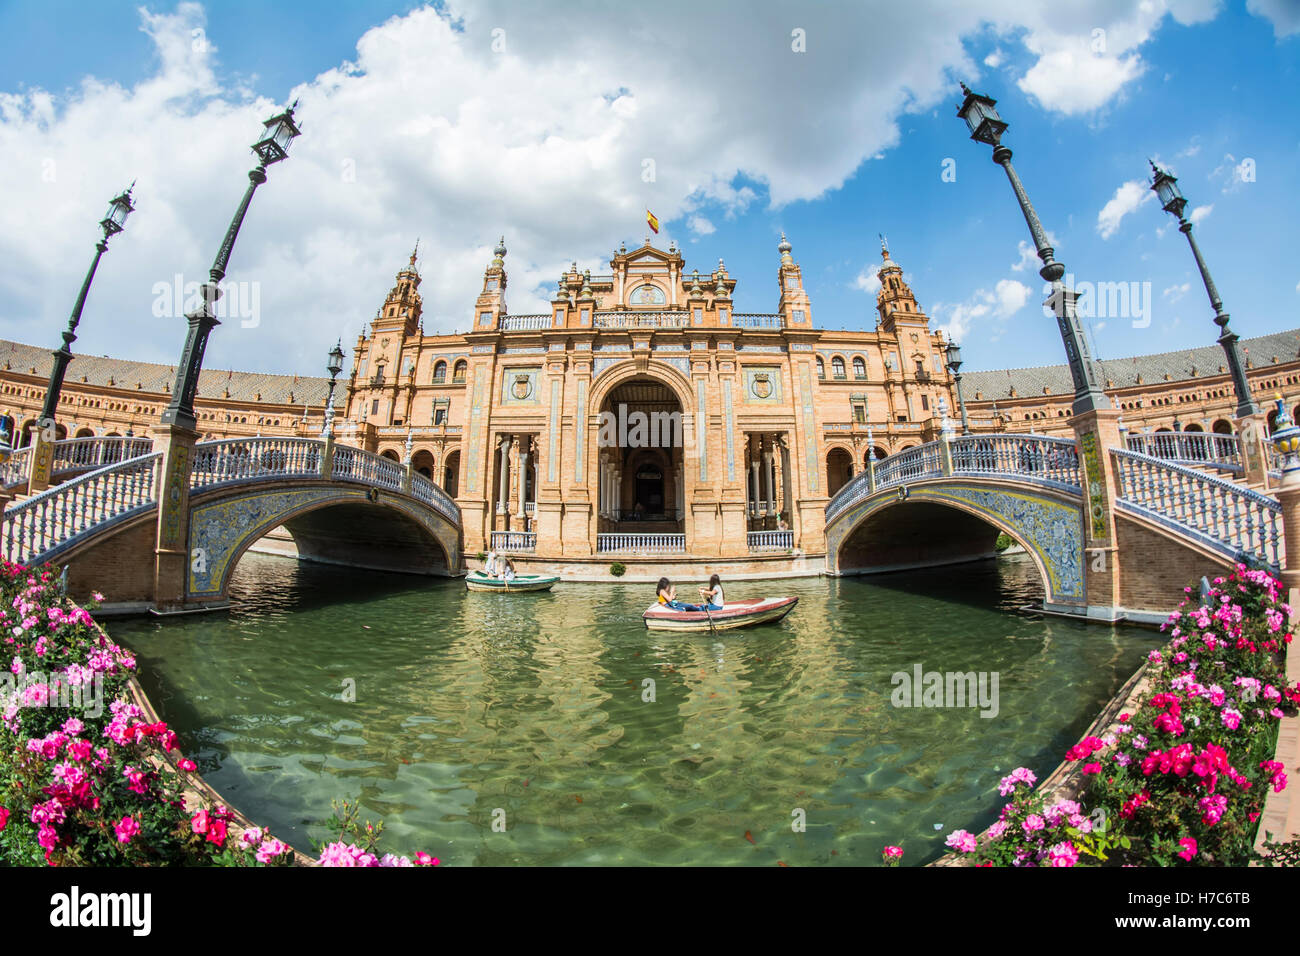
(543, 139)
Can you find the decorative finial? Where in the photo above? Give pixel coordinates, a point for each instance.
(501, 247)
(784, 247)
(414, 253)
(964, 88)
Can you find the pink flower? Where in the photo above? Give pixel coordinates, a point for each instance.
(185, 763)
(1090, 768)
(1231, 718)
(252, 835)
(270, 849)
(1063, 854)
(962, 841)
(4, 818)
(1033, 823)
(1188, 847)
(890, 852)
(126, 828)
(199, 822)
(423, 859)
(47, 837)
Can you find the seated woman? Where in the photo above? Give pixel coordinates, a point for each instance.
(713, 595)
(508, 571)
(667, 596)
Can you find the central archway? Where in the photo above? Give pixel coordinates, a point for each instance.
(640, 443)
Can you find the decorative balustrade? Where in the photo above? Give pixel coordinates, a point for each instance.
(231, 461)
(641, 320)
(82, 454)
(354, 464)
(514, 541)
(771, 540)
(1236, 521)
(640, 544)
(15, 470)
(1037, 458)
(1191, 448)
(756, 320)
(520, 323)
(39, 527)
(1053, 461)
(425, 490)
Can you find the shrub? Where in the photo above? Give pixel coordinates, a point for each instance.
(1004, 541)
(618, 569)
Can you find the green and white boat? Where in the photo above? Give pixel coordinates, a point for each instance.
(479, 581)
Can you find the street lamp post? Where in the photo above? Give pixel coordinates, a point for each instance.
(113, 222)
(271, 148)
(987, 126)
(953, 354)
(1171, 199)
(333, 366)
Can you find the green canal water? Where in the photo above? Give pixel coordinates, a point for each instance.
(531, 710)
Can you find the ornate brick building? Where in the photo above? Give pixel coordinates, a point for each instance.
(642, 404)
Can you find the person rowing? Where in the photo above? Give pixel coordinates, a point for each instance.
(713, 596)
(667, 596)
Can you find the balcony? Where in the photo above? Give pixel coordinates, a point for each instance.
(641, 320)
(520, 323)
(514, 541)
(756, 320)
(641, 544)
(771, 541)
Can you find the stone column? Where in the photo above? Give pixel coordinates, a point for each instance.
(1097, 432)
(754, 483)
(1253, 432)
(769, 479)
(787, 504)
(523, 478)
(172, 557)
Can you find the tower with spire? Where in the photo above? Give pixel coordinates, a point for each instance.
(491, 303)
(793, 303)
(401, 309)
(895, 301)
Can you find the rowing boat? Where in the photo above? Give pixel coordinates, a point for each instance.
(743, 613)
(478, 581)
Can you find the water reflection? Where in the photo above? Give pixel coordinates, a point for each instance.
(470, 706)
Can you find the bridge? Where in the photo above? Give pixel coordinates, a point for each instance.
(104, 521)
(1119, 535)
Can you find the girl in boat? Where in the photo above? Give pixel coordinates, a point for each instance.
(713, 595)
(508, 569)
(667, 595)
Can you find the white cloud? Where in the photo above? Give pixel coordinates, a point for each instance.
(1283, 14)
(1176, 292)
(868, 279)
(1127, 198)
(1029, 255)
(1200, 213)
(1011, 296)
(700, 226)
(428, 132)
(1007, 298)
(994, 59)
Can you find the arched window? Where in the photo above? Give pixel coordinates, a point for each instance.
(859, 367)
(837, 367)
(821, 367)
(439, 372)
(458, 372)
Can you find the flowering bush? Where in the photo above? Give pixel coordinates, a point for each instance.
(84, 781)
(1183, 779)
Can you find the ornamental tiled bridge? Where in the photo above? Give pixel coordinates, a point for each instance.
(1113, 532)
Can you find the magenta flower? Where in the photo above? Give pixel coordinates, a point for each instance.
(962, 841)
(125, 829)
(1063, 854)
(1033, 823)
(1188, 847)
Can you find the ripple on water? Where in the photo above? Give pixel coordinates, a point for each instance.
(468, 705)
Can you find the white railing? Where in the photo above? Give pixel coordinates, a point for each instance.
(756, 320)
(514, 541)
(1191, 448)
(355, 464)
(79, 454)
(45, 523)
(1237, 521)
(15, 470)
(757, 508)
(640, 544)
(229, 461)
(1037, 458)
(432, 494)
(771, 540)
(518, 323)
(1052, 461)
(641, 320)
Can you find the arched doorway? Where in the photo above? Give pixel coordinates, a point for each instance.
(640, 453)
(451, 473)
(1222, 426)
(423, 463)
(839, 469)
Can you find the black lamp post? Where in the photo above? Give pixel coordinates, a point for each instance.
(333, 366)
(271, 148)
(1166, 187)
(987, 127)
(113, 222)
(953, 354)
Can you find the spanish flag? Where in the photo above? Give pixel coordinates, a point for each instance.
(652, 221)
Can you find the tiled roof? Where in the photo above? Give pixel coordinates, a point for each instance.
(1261, 351)
(158, 379)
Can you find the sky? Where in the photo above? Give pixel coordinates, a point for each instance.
(557, 125)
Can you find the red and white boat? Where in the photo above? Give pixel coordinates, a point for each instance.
(743, 613)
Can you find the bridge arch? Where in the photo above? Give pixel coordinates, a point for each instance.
(952, 520)
(337, 524)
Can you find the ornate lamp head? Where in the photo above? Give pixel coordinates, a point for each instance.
(1286, 439)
